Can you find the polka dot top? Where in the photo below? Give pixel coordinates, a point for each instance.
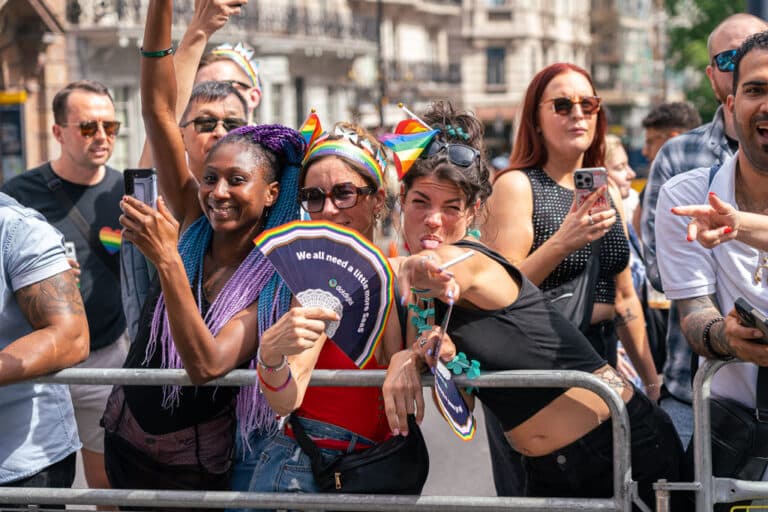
(551, 203)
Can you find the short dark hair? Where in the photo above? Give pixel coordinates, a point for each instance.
(757, 41)
(61, 98)
(676, 115)
(212, 90)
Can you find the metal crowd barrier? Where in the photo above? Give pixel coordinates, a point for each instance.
(625, 489)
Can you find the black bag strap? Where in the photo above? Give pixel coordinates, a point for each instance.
(306, 443)
(55, 185)
(761, 406)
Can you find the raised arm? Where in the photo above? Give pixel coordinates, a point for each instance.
(54, 309)
(209, 16)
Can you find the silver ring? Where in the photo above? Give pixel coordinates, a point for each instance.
(591, 220)
(422, 341)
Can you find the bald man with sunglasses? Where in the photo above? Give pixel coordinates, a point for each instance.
(79, 195)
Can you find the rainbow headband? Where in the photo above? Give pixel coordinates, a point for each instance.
(241, 56)
(345, 148)
(344, 144)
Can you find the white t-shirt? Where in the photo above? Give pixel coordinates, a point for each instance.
(689, 270)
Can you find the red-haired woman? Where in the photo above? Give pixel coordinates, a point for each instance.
(535, 223)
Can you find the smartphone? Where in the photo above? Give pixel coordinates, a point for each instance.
(69, 250)
(141, 184)
(587, 181)
(752, 317)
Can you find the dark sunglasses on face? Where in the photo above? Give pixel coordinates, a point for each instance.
(89, 128)
(724, 61)
(563, 106)
(208, 124)
(343, 196)
(458, 154)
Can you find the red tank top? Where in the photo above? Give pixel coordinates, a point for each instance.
(358, 409)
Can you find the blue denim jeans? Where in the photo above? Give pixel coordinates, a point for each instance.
(278, 464)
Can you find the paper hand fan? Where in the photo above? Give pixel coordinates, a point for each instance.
(450, 401)
(330, 266)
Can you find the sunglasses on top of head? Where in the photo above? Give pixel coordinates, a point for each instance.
(89, 128)
(237, 84)
(563, 106)
(458, 154)
(207, 124)
(724, 61)
(342, 195)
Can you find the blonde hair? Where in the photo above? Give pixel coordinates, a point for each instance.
(612, 143)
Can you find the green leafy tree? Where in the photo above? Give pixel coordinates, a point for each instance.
(691, 22)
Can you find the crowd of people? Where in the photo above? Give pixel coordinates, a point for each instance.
(187, 288)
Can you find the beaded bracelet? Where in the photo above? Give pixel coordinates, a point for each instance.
(706, 337)
(156, 54)
(270, 369)
(275, 389)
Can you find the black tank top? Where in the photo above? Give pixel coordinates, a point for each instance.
(529, 334)
(551, 203)
(196, 404)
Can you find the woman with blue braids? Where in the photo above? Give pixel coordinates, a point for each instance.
(217, 294)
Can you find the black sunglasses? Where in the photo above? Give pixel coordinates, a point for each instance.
(563, 106)
(458, 154)
(724, 61)
(343, 196)
(237, 83)
(89, 128)
(208, 124)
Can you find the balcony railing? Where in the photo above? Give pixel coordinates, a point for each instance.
(256, 17)
(423, 72)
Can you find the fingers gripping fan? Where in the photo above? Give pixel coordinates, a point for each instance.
(333, 267)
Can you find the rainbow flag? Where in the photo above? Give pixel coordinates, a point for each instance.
(407, 126)
(407, 147)
(311, 129)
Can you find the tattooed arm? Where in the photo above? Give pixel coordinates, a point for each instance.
(727, 337)
(54, 309)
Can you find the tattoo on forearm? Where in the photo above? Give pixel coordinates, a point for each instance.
(611, 377)
(695, 313)
(57, 295)
(626, 318)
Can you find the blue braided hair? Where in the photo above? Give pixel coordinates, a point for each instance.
(255, 277)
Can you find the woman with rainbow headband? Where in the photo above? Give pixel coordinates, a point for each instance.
(217, 293)
(342, 181)
(500, 320)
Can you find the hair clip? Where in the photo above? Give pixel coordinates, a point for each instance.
(456, 131)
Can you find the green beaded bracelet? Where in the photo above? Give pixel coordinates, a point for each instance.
(157, 54)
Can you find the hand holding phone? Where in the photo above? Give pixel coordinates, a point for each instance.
(750, 316)
(588, 180)
(141, 184)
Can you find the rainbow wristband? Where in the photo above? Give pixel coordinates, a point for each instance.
(274, 389)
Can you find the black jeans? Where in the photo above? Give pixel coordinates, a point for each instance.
(602, 336)
(506, 463)
(58, 475)
(584, 468)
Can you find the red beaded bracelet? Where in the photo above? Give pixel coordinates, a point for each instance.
(272, 388)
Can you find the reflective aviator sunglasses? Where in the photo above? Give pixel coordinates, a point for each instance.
(342, 195)
(724, 62)
(458, 154)
(563, 106)
(207, 124)
(89, 128)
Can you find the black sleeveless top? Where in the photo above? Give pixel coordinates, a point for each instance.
(196, 404)
(551, 203)
(529, 334)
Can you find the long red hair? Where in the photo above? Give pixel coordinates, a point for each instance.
(529, 149)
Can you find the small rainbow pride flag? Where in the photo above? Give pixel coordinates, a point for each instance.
(407, 147)
(311, 128)
(407, 126)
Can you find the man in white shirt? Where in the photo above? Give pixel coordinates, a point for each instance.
(706, 282)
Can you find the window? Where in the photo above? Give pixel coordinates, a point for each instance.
(495, 66)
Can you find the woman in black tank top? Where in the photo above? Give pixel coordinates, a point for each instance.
(534, 222)
(500, 319)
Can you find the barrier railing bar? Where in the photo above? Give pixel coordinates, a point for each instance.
(230, 499)
(624, 487)
(702, 447)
